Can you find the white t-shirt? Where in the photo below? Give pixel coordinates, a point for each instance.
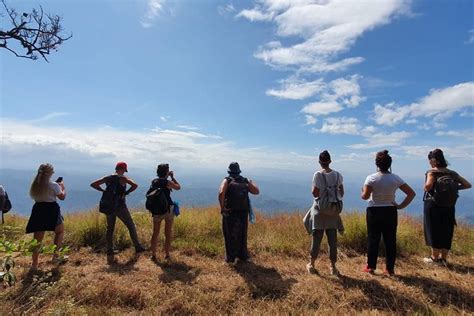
(53, 191)
(384, 186)
(331, 178)
(2, 191)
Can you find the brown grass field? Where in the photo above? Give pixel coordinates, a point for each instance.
(196, 281)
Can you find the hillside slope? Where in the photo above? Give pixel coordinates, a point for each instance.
(196, 284)
(196, 281)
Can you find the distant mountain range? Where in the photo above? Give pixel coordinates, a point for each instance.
(277, 195)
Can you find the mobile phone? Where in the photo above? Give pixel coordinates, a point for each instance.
(59, 180)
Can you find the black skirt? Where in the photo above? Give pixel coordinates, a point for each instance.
(438, 225)
(45, 216)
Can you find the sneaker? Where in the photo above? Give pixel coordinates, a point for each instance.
(388, 272)
(310, 268)
(368, 270)
(431, 260)
(334, 271)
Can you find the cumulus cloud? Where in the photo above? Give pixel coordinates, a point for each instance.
(337, 94)
(154, 8)
(340, 125)
(439, 104)
(310, 120)
(26, 144)
(326, 29)
(296, 89)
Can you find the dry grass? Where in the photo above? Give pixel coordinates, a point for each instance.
(275, 282)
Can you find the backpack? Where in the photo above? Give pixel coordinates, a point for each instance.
(445, 190)
(328, 202)
(236, 196)
(111, 196)
(7, 205)
(156, 199)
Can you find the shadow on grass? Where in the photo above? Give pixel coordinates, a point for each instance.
(177, 271)
(382, 298)
(115, 266)
(264, 282)
(34, 286)
(459, 268)
(441, 293)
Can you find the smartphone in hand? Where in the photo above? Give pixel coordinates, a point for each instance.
(59, 180)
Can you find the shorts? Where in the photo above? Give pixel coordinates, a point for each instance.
(168, 216)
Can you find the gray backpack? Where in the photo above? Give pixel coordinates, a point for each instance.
(328, 202)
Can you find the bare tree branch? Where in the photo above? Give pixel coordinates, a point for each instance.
(31, 34)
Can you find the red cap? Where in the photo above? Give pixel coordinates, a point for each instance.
(121, 165)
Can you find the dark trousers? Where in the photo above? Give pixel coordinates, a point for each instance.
(318, 234)
(438, 225)
(382, 222)
(235, 227)
(124, 215)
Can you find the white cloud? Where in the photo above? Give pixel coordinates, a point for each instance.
(154, 7)
(322, 108)
(379, 140)
(439, 105)
(470, 40)
(340, 125)
(187, 127)
(295, 89)
(327, 29)
(310, 120)
(164, 118)
(255, 14)
(461, 152)
(225, 9)
(26, 144)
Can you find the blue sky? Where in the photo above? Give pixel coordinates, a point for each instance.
(268, 83)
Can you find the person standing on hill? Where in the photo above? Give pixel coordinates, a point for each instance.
(441, 192)
(328, 191)
(115, 205)
(379, 188)
(46, 213)
(163, 208)
(235, 207)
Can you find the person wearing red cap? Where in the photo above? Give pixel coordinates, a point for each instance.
(116, 184)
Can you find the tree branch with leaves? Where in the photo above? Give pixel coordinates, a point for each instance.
(30, 35)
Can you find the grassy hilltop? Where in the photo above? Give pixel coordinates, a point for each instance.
(197, 282)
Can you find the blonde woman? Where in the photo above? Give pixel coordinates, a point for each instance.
(46, 214)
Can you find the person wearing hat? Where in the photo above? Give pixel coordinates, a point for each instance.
(118, 181)
(324, 180)
(234, 203)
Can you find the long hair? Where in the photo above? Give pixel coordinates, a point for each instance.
(40, 185)
(437, 157)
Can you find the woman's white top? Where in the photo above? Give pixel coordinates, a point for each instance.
(384, 186)
(53, 191)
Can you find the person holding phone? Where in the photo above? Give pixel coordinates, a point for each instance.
(46, 213)
(164, 173)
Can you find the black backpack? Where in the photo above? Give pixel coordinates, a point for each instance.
(7, 205)
(445, 190)
(157, 201)
(111, 196)
(236, 196)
